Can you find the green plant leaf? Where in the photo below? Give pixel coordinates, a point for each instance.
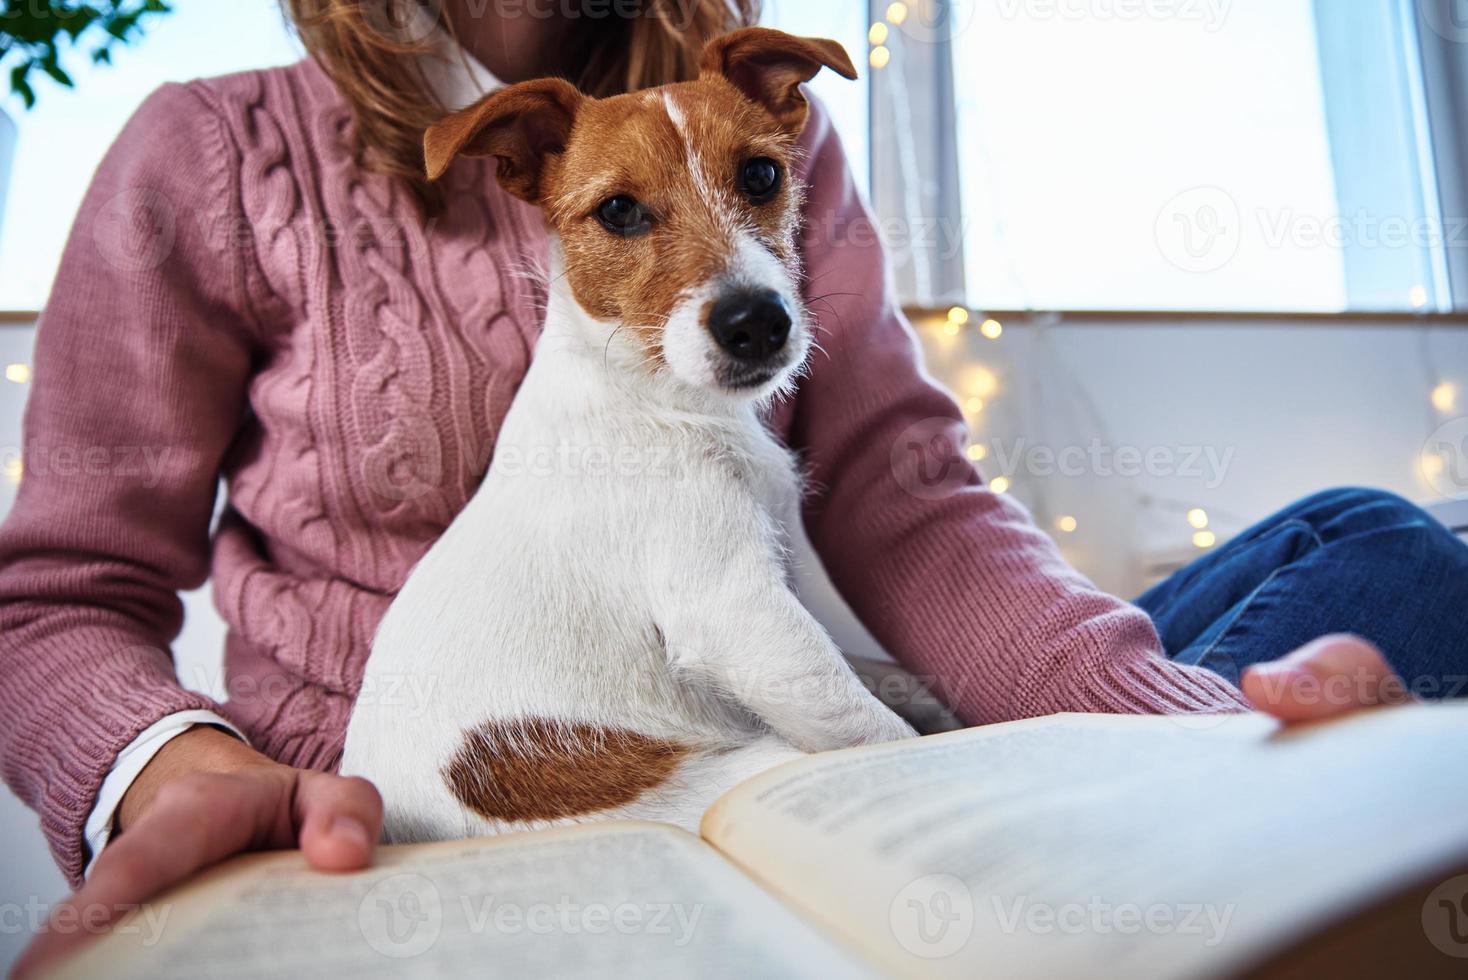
(56, 72)
(78, 22)
(27, 94)
(38, 29)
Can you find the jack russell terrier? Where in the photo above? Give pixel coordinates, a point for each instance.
(609, 623)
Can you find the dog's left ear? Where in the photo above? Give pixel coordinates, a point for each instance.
(521, 126)
(769, 67)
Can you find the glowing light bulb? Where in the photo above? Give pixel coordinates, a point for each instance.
(878, 33)
(897, 12)
(1417, 296)
(999, 484)
(18, 373)
(1432, 465)
(950, 329)
(1198, 517)
(14, 469)
(1066, 523)
(1444, 396)
(880, 56)
(977, 452)
(980, 382)
(991, 329)
(1204, 539)
(958, 315)
(973, 405)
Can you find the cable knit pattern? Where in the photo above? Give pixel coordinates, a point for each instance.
(241, 297)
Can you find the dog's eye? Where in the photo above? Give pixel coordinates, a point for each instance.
(760, 178)
(621, 215)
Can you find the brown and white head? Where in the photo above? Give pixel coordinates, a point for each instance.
(677, 208)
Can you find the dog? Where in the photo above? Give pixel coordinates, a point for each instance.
(609, 623)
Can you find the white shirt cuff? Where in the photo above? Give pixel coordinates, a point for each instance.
(130, 762)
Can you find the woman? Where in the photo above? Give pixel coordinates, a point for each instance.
(261, 286)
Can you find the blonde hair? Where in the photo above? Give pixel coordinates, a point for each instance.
(378, 69)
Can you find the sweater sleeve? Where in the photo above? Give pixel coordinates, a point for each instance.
(142, 356)
(954, 580)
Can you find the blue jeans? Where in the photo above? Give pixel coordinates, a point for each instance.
(1343, 561)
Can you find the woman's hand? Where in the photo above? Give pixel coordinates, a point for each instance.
(1332, 676)
(203, 797)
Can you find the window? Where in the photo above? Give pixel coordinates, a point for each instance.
(1261, 155)
(62, 140)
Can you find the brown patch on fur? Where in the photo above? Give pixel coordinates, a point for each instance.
(520, 126)
(537, 769)
(769, 67)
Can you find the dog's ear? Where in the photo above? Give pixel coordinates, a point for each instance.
(520, 126)
(769, 66)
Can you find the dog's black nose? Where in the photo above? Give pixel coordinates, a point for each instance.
(751, 324)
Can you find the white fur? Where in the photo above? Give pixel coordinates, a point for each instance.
(622, 565)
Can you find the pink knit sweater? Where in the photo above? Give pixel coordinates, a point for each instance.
(241, 298)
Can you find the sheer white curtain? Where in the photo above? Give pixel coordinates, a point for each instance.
(915, 164)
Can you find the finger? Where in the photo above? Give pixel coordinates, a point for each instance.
(1323, 679)
(340, 819)
(193, 823)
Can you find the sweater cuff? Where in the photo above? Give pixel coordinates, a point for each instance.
(1122, 671)
(70, 735)
(1147, 683)
(131, 761)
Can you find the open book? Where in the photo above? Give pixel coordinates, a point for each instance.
(1074, 845)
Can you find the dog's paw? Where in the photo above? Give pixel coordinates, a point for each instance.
(888, 729)
(873, 729)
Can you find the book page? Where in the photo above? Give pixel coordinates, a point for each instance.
(1102, 845)
(615, 899)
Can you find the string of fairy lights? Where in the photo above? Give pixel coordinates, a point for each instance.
(977, 386)
(983, 386)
